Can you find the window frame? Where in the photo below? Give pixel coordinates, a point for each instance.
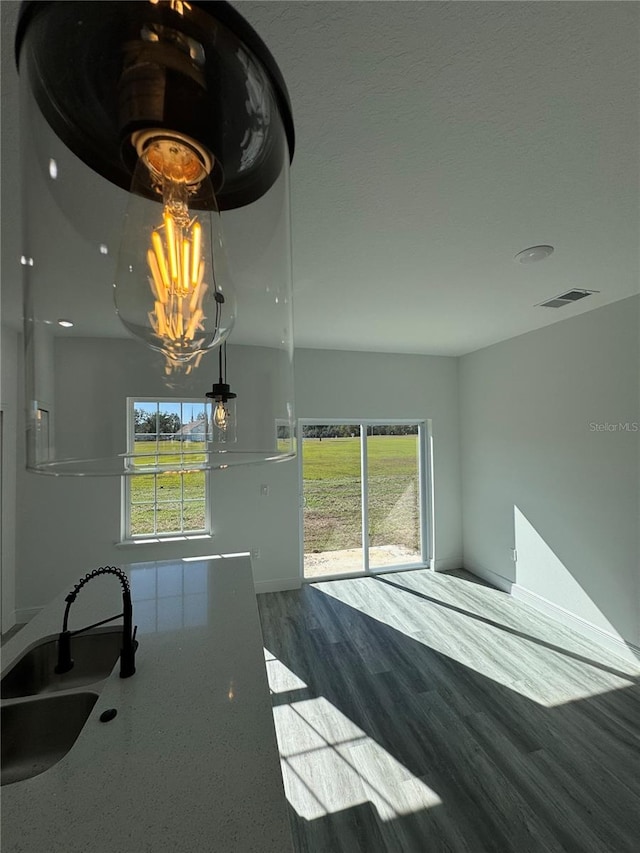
(126, 535)
(425, 496)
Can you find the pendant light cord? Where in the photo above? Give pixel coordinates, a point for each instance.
(218, 318)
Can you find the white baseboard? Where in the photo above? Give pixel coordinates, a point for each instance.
(493, 578)
(277, 585)
(623, 648)
(446, 564)
(26, 614)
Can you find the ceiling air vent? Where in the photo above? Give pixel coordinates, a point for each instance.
(566, 298)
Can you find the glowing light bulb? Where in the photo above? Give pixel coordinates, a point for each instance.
(220, 415)
(172, 285)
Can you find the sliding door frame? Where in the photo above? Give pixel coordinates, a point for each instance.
(425, 491)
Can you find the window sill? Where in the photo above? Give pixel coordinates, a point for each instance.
(160, 540)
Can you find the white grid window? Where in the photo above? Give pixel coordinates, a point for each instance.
(173, 434)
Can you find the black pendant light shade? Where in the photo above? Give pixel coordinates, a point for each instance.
(102, 71)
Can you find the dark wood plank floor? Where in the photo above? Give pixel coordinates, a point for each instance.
(428, 712)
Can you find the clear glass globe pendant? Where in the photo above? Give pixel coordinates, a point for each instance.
(156, 150)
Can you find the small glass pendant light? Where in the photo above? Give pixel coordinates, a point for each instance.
(223, 414)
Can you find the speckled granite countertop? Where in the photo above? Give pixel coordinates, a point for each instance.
(190, 763)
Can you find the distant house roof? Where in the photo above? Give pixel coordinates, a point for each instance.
(199, 426)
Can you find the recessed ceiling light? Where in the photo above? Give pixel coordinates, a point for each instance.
(104, 249)
(533, 254)
(66, 324)
(53, 169)
(26, 262)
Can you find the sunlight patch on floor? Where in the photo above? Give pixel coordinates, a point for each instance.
(506, 641)
(280, 677)
(329, 764)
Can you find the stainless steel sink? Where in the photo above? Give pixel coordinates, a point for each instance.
(94, 655)
(37, 733)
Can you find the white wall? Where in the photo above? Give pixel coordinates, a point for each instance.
(8, 405)
(538, 477)
(68, 525)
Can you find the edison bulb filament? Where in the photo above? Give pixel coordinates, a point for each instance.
(177, 281)
(220, 415)
(178, 275)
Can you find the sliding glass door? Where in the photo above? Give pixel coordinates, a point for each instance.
(332, 499)
(363, 488)
(393, 495)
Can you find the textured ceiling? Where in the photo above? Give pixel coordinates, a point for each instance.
(434, 142)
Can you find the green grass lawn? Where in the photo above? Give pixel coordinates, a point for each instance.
(332, 512)
(156, 502)
(170, 452)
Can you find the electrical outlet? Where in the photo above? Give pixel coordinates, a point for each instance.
(264, 490)
(514, 555)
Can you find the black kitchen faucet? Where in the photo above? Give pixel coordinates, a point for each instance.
(129, 642)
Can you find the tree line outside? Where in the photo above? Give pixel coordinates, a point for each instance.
(350, 431)
(159, 423)
(168, 423)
